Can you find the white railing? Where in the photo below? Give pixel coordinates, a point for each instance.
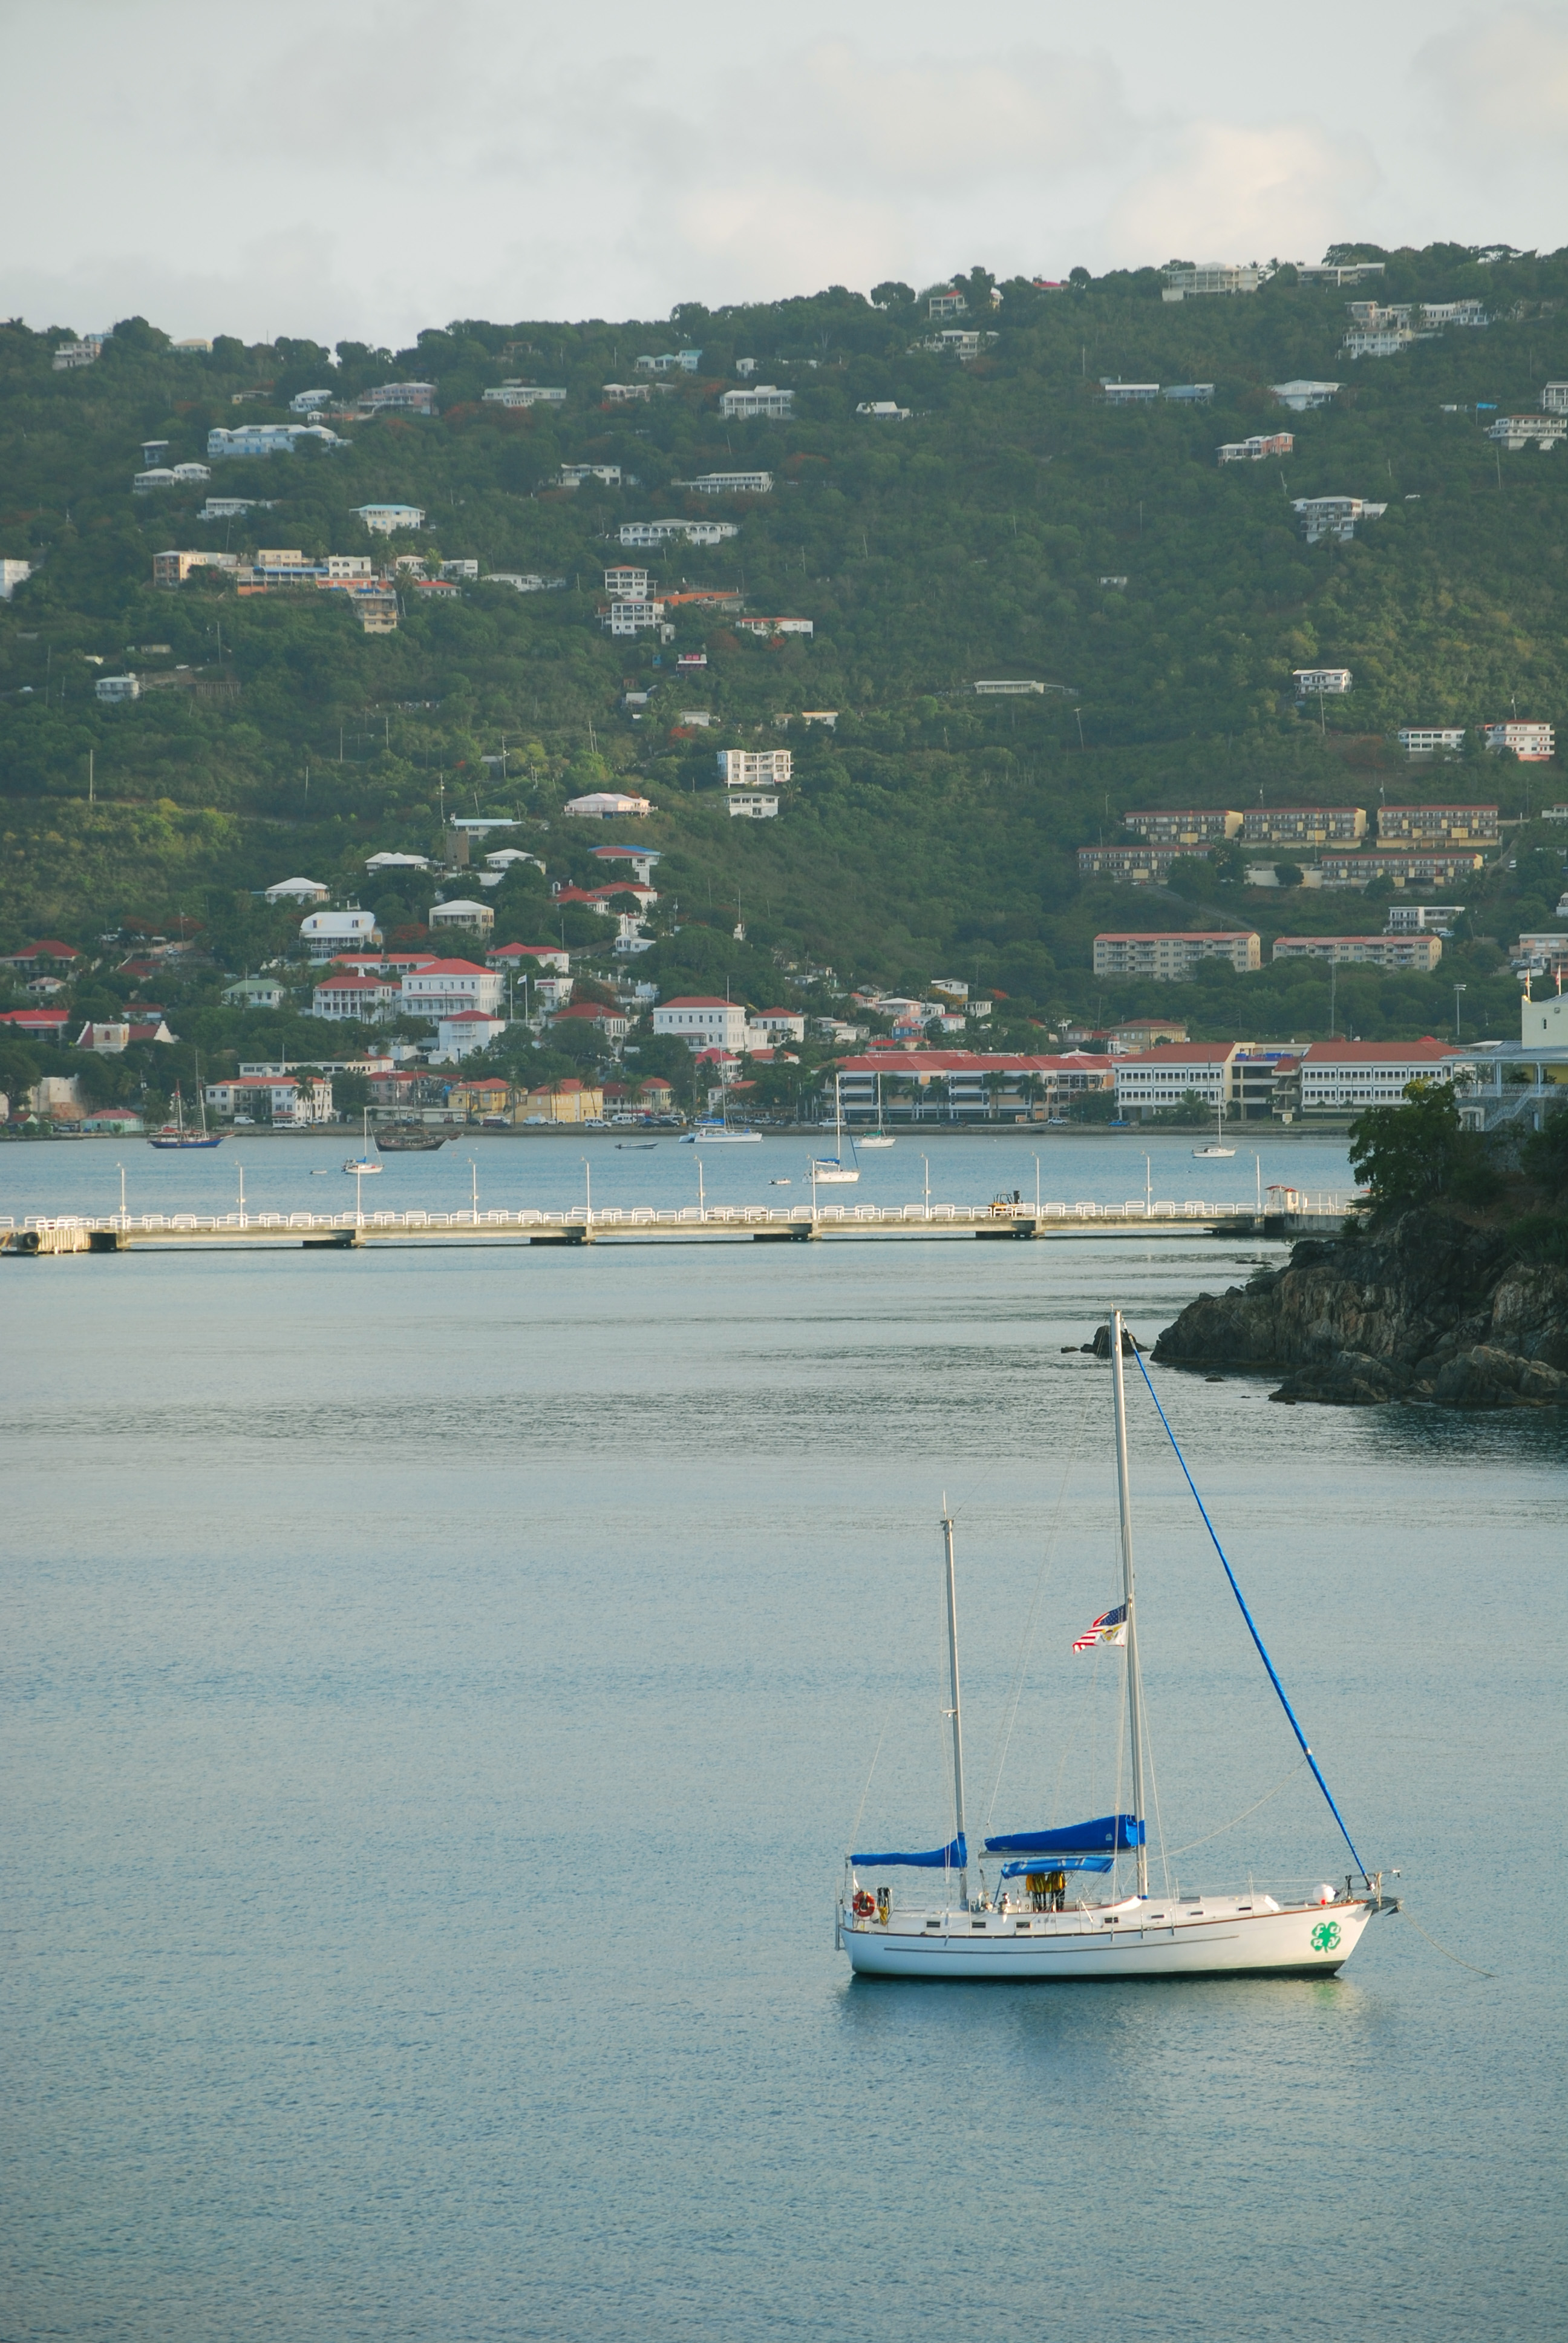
(1296, 1203)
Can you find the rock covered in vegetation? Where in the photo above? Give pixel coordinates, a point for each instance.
(1424, 1308)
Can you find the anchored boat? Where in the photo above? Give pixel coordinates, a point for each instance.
(1043, 1920)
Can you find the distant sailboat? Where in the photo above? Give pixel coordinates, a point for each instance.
(179, 1138)
(364, 1164)
(878, 1138)
(830, 1170)
(1216, 1146)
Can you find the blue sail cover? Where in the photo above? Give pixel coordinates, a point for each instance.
(952, 1857)
(1112, 1831)
(1057, 1862)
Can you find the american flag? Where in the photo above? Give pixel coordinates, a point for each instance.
(1111, 1627)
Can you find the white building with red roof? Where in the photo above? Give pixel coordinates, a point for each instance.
(529, 959)
(1165, 1076)
(469, 1029)
(702, 1020)
(444, 988)
(44, 958)
(1344, 1077)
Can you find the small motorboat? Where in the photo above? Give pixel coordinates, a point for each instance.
(778, 1183)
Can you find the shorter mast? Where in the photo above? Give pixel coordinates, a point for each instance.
(956, 1712)
(1124, 1501)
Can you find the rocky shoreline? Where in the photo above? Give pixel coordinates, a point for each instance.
(1420, 1307)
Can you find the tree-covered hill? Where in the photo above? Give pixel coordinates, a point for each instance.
(929, 831)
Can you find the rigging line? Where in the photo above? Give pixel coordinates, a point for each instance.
(1444, 1948)
(1015, 1691)
(1241, 1818)
(1251, 1623)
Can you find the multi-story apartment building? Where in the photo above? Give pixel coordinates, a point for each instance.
(1170, 953)
(174, 568)
(1164, 1076)
(1432, 825)
(1344, 1077)
(1135, 865)
(1419, 951)
(1438, 867)
(1254, 450)
(1190, 826)
(1334, 516)
(755, 768)
(702, 1021)
(729, 484)
(1304, 825)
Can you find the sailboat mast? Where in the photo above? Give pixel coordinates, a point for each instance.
(956, 1712)
(1124, 1501)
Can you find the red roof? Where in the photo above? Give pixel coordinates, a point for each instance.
(1183, 1053)
(529, 951)
(1174, 935)
(700, 1000)
(575, 895)
(1425, 1051)
(47, 950)
(979, 1062)
(448, 968)
(473, 1017)
(589, 1009)
(34, 1020)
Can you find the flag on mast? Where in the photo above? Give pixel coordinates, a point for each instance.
(1111, 1627)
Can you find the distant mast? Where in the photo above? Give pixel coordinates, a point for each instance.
(1125, 1502)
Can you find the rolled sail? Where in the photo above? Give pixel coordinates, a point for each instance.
(954, 1857)
(1111, 1832)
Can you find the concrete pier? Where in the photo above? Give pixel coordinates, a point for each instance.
(40, 1236)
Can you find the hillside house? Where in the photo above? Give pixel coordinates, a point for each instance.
(523, 394)
(1532, 744)
(1189, 394)
(44, 958)
(324, 934)
(885, 410)
(670, 362)
(1333, 516)
(763, 399)
(572, 476)
(468, 1029)
(625, 582)
(444, 988)
(751, 805)
(254, 993)
(651, 533)
(947, 305)
(11, 575)
(1009, 688)
(1431, 739)
(606, 805)
(1254, 450)
(1213, 276)
(113, 691)
(1324, 681)
(1301, 396)
(267, 440)
(369, 999)
(385, 520)
(1129, 394)
(702, 1021)
(1424, 918)
(172, 568)
(69, 355)
(1170, 954)
(398, 399)
(461, 915)
(751, 769)
(729, 484)
(529, 960)
(295, 891)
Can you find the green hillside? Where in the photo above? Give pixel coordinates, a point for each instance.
(930, 832)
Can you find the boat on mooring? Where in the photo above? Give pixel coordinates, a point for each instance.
(1043, 1919)
(179, 1138)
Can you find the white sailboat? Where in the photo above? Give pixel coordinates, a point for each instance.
(363, 1165)
(1216, 1146)
(831, 1170)
(1051, 1928)
(877, 1138)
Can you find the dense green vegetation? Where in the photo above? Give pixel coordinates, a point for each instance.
(931, 832)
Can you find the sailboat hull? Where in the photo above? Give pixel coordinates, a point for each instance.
(1223, 1940)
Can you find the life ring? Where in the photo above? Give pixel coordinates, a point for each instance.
(864, 1905)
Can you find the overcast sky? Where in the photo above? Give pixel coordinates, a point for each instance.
(360, 168)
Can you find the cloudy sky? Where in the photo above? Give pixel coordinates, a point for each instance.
(358, 168)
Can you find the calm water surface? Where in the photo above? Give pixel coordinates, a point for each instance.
(438, 1691)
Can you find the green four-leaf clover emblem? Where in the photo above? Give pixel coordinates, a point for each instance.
(1325, 1935)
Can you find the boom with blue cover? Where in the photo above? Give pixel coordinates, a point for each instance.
(1057, 1862)
(1112, 1831)
(954, 1857)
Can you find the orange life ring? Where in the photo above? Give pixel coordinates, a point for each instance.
(864, 1905)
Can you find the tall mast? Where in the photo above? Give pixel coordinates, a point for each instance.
(1124, 1500)
(956, 1711)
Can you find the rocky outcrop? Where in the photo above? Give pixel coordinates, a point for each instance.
(1424, 1308)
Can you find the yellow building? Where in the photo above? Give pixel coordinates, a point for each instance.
(568, 1101)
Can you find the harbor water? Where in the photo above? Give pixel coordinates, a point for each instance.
(439, 1689)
